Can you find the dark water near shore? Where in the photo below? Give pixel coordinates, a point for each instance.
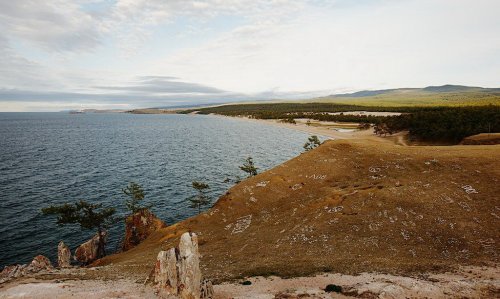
(53, 158)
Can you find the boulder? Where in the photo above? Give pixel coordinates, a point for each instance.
(139, 226)
(89, 251)
(39, 263)
(177, 271)
(63, 255)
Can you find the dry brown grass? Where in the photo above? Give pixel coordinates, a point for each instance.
(349, 207)
(483, 138)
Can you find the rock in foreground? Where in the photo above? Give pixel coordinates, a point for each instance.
(177, 271)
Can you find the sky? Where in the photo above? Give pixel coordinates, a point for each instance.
(123, 54)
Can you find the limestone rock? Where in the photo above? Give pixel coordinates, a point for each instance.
(139, 226)
(165, 276)
(89, 251)
(39, 263)
(207, 290)
(177, 271)
(189, 267)
(63, 255)
(13, 271)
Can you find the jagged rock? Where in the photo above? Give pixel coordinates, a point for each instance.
(39, 263)
(63, 255)
(139, 226)
(13, 271)
(177, 271)
(165, 276)
(207, 289)
(189, 267)
(89, 251)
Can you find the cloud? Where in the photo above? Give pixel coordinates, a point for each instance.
(21, 100)
(57, 25)
(18, 72)
(146, 91)
(164, 84)
(63, 52)
(376, 44)
(132, 20)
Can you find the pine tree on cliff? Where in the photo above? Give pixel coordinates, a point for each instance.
(249, 167)
(88, 215)
(312, 143)
(135, 193)
(201, 199)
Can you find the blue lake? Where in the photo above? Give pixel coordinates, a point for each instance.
(54, 158)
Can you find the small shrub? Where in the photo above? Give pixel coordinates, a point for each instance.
(249, 167)
(333, 288)
(289, 121)
(312, 143)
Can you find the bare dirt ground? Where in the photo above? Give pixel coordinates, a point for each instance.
(484, 138)
(89, 289)
(466, 282)
(469, 282)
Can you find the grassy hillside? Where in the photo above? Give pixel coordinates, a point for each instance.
(348, 207)
(447, 95)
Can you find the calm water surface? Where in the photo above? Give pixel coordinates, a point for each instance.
(54, 158)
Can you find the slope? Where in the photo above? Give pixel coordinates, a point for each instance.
(445, 95)
(348, 207)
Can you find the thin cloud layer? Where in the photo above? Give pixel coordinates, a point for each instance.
(56, 25)
(163, 85)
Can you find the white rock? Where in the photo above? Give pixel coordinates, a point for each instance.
(63, 255)
(189, 267)
(165, 276)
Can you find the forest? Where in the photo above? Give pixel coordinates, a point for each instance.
(441, 123)
(449, 125)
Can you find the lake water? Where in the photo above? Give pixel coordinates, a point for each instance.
(54, 158)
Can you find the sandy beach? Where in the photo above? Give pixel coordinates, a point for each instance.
(324, 129)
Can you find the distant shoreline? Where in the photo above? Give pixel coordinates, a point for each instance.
(322, 129)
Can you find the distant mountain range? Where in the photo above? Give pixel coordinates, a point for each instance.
(428, 89)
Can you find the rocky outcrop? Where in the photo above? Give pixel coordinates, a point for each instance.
(13, 271)
(63, 255)
(89, 251)
(177, 271)
(39, 263)
(139, 226)
(189, 267)
(207, 289)
(166, 273)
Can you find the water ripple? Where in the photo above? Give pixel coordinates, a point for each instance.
(53, 158)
